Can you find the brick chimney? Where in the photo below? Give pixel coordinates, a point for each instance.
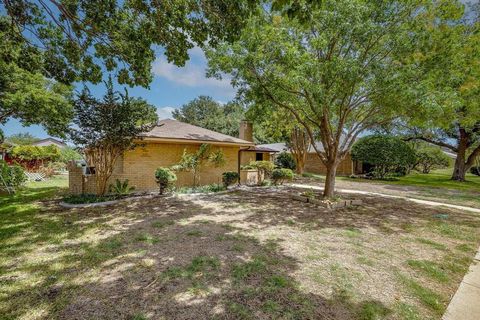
(246, 130)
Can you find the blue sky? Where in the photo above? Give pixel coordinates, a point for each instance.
(171, 88)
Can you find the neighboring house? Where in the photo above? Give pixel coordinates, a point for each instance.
(313, 164)
(49, 142)
(164, 145)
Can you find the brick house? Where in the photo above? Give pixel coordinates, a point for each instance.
(313, 164)
(163, 146)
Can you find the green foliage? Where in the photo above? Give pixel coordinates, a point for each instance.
(27, 91)
(116, 120)
(22, 138)
(120, 188)
(28, 153)
(193, 162)
(285, 160)
(209, 188)
(338, 71)
(264, 167)
(88, 198)
(165, 179)
(68, 154)
(106, 128)
(279, 176)
(210, 114)
(81, 39)
(447, 88)
(12, 176)
(429, 158)
(230, 177)
(387, 154)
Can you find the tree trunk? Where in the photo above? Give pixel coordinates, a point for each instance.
(460, 168)
(329, 190)
(300, 162)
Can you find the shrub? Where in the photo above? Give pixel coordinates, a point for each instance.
(229, 178)
(165, 179)
(264, 167)
(285, 160)
(429, 158)
(120, 188)
(88, 198)
(280, 175)
(215, 187)
(387, 154)
(475, 170)
(12, 176)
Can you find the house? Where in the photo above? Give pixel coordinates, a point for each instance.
(48, 142)
(313, 164)
(164, 145)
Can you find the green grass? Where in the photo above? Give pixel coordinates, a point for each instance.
(430, 269)
(433, 244)
(436, 179)
(426, 296)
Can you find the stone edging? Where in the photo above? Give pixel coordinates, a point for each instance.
(88, 205)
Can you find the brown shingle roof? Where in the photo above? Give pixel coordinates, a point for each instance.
(173, 129)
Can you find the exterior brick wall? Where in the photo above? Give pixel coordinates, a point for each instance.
(313, 164)
(139, 165)
(249, 156)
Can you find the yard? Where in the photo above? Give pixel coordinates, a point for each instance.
(435, 186)
(249, 254)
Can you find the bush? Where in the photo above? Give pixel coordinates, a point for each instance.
(209, 188)
(387, 154)
(229, 178)
(88, 198)
(475, 170)
(285, 160)
(429, 158)
(13, 176)
(280, 175)
(120, 188)
(165, 179)
(264, 167)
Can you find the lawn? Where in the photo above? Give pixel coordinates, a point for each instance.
(435, 186)
(242, 255)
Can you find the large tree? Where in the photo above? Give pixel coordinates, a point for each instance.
(334, 66)
(449, 61)
(210, 114)
(83, 38)
(106, 128)
(26, 93)
(281, 126)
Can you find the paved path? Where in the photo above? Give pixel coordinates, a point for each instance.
(465, 304)
(425, 202)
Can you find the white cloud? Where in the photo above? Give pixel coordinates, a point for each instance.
(165, 113)
(192, 74)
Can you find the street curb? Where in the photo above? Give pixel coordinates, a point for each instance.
(464, 304)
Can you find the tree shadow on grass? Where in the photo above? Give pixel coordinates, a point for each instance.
(384, 215)
(155, 258)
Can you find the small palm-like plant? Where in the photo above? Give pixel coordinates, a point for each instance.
(121, 188)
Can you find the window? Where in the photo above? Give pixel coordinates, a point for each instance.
(259, 157)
